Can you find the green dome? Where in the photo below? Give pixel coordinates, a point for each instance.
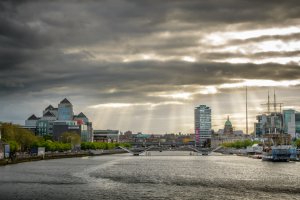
(228, 123)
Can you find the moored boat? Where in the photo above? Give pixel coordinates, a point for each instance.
(280, 153)
(277, 147)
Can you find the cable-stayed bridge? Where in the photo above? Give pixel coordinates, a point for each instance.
(136, 151)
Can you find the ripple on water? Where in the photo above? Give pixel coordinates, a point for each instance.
(151, 177)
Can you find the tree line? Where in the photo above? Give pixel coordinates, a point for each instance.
(22, 140)
(239, 144)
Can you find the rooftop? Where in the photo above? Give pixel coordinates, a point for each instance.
(32, 117)
(81, 115)
(65, 101)
(48, 114)
(50, 107)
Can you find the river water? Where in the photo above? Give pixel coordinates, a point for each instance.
(163, 175)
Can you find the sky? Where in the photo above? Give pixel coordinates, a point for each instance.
(144, 65)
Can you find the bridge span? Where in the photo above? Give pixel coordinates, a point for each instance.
(136, 151)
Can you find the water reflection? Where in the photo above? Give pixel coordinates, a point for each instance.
(163, 175)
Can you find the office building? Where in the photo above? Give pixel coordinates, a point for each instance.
(56, 121)
(65, 110)
(106, 135)
(289, 121)
(202, 115)
(269, 123)
(297, 124)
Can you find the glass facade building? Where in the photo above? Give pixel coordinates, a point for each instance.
(297, 124)
(289, 122)
(65, 110)
(269, 124)
(202, 115)
(56, 121)
(44, 127)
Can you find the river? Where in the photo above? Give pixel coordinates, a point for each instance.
(163, 175)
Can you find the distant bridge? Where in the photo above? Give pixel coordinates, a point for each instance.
(136, 151)
(140, 150)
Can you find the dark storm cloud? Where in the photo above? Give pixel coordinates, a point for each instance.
(76, 48)
(284, 38)
(260, 55)
(133, 79)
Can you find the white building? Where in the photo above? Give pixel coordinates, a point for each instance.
(202, 124)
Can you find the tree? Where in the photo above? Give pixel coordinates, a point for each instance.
(297, 143)
(22, 137)
(71, 137)
(14, 146)
(239, 144)
(47, 137)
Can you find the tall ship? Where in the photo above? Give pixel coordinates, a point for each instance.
(277, 147)
(270, 128)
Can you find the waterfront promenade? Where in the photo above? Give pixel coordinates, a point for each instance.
(24, 157)
(163, 175)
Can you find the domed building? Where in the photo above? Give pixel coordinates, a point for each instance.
(228, 127)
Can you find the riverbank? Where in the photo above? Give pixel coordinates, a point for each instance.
(243, 152)
(59, 155)
(232, 151)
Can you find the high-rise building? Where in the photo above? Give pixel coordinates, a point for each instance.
(297, 123)
(65, 110)
(202, 115)
(289, 122)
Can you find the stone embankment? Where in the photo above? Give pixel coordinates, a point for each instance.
(57, 155)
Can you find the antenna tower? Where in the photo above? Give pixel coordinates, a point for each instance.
(246, 110)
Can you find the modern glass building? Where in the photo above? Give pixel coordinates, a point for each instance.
(202, 115)
(297, 124)
(65, 110)
(56, 121)
(269, 124)
(84, 134)
(44, 127)
(289, 122)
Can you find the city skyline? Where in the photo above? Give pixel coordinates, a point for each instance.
(145, 65)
